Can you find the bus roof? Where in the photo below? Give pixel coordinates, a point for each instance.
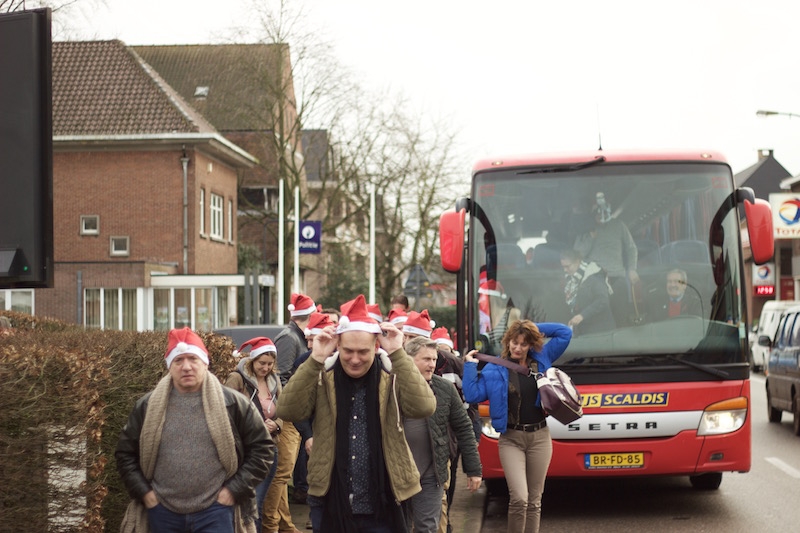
(612, 156)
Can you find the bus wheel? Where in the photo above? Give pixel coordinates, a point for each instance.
(709, 481)
(797, 416)
(773, 414)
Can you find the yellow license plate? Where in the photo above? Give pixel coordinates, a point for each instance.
(597, 461)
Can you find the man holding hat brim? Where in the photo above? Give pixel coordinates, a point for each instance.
(192, 450)
(361, 465)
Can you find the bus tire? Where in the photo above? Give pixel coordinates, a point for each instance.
(797, 416)
(774, 415)
(710, 481)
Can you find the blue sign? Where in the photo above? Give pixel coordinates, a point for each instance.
(310, 237)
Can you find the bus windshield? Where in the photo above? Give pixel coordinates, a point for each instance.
(642, 260)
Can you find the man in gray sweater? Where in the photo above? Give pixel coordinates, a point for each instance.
(192, 451)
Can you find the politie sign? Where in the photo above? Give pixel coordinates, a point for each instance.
(310, 237)
(785, 215)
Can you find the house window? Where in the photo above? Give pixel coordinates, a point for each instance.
(90, 224)
(110, 309)
(202, 211)
(120, 246)
(230, 220)
(216, 215)
(17, 300)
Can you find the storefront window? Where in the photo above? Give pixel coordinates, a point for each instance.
(202, 310)
(183, 305)
(92, 315)
(161, 309)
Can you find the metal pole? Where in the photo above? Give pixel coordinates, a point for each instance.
(297, 239)
(372, 244)
(281, 247)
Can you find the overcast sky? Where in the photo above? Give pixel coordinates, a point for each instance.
(531, 76)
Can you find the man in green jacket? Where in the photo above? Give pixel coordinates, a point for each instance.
(360, 469)
(430, 443)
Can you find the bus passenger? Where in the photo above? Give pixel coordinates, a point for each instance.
(675, 301)
(609, 244)
(524, 446)
(586, 292)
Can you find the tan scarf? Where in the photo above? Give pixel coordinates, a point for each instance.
(135, 519)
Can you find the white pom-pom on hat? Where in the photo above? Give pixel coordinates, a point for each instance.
(344, 321)
(290, 307)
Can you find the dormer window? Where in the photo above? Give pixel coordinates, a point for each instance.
(201, 91)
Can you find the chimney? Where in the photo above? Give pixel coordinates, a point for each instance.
(765, 153)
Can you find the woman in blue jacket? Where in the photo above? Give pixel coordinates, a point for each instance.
(524, 446)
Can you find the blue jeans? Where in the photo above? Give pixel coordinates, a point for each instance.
(263, 487)
(216, 519)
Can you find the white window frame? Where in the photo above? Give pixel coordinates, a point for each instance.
(90, 231)
(116, 239)
(216, 206)
(230, 220)
(202, 212)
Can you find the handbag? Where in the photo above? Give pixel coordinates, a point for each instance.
(559, 396)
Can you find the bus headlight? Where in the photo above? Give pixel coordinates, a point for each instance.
(723, 417)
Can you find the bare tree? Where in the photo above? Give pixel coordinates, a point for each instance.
(375, 142)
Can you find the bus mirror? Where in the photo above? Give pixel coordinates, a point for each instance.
(759, 224)
(451, 239)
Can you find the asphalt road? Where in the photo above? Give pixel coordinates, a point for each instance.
(763, 500)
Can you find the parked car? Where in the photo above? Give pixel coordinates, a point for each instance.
(771, 315)
(241, 334)
(783, 369)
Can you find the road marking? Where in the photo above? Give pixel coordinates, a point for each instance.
(795, 473)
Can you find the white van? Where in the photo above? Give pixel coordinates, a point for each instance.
(771, 315)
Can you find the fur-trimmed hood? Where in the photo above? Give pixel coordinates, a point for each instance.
(252, 383)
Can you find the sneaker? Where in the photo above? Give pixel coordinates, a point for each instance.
(308, 525)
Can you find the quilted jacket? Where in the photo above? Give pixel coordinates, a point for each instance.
(403, 393)
(450, 412)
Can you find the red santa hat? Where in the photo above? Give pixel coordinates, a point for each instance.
(441, 336)
(419, 323)
(356, 318)
(181, 341)
(397, 316)
(492, 288)
(258, 346)
(374, 311)
(317, 322)
(301, 305)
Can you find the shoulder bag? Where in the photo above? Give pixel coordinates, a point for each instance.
(560, 399)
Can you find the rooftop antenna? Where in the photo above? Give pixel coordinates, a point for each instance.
(599, 132)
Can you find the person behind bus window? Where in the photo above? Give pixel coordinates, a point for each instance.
(524, 446)
(677, 301)
(609, 243)
(587, 295)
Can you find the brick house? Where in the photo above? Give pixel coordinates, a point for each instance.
(145, 199)
(246, 91)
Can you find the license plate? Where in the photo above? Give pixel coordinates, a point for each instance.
(598, 461)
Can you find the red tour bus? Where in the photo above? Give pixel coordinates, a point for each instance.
(662, 394)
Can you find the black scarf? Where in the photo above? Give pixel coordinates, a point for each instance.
(337, 515)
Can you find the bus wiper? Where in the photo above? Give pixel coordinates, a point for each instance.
(567, 167)
(721, 374)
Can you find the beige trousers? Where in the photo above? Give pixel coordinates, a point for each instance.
(277, 515)
(525, 458)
